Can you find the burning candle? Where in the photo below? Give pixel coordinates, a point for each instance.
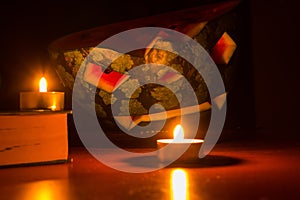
(177, 146)
(42, 100)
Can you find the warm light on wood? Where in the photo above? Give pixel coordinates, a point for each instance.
(178, 133)
(43, 85)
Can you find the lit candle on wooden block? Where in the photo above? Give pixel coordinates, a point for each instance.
(42, 100)
(177, 146)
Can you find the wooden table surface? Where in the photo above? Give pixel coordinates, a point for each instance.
(243, 169)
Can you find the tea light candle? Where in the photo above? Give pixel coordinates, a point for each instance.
(42, 100)
(177, 145)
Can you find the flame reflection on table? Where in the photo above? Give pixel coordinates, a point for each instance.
(45, 190)
(179, 185)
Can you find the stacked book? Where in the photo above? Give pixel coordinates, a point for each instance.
(33, 137)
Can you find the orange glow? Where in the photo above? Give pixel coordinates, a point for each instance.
(42, 190)
(179, 185)
(43, 85)
(53, 107)
(178, 133)
(54, 100)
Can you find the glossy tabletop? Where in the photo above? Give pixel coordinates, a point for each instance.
(234, 170)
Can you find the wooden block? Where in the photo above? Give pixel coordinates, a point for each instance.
(33, 137)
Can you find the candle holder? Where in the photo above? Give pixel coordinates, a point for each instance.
(188, 148)
(42, 100)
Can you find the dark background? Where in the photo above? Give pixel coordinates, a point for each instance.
(28, 27)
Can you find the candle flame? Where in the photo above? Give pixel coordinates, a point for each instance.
(179, 185)
(43, 85)
(178, 133)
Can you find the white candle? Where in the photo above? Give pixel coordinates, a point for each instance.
(42, 100)
(177, 145)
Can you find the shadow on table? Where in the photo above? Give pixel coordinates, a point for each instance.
(208, 161)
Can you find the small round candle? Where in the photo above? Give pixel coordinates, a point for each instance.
(42, 100)
(177, 145)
